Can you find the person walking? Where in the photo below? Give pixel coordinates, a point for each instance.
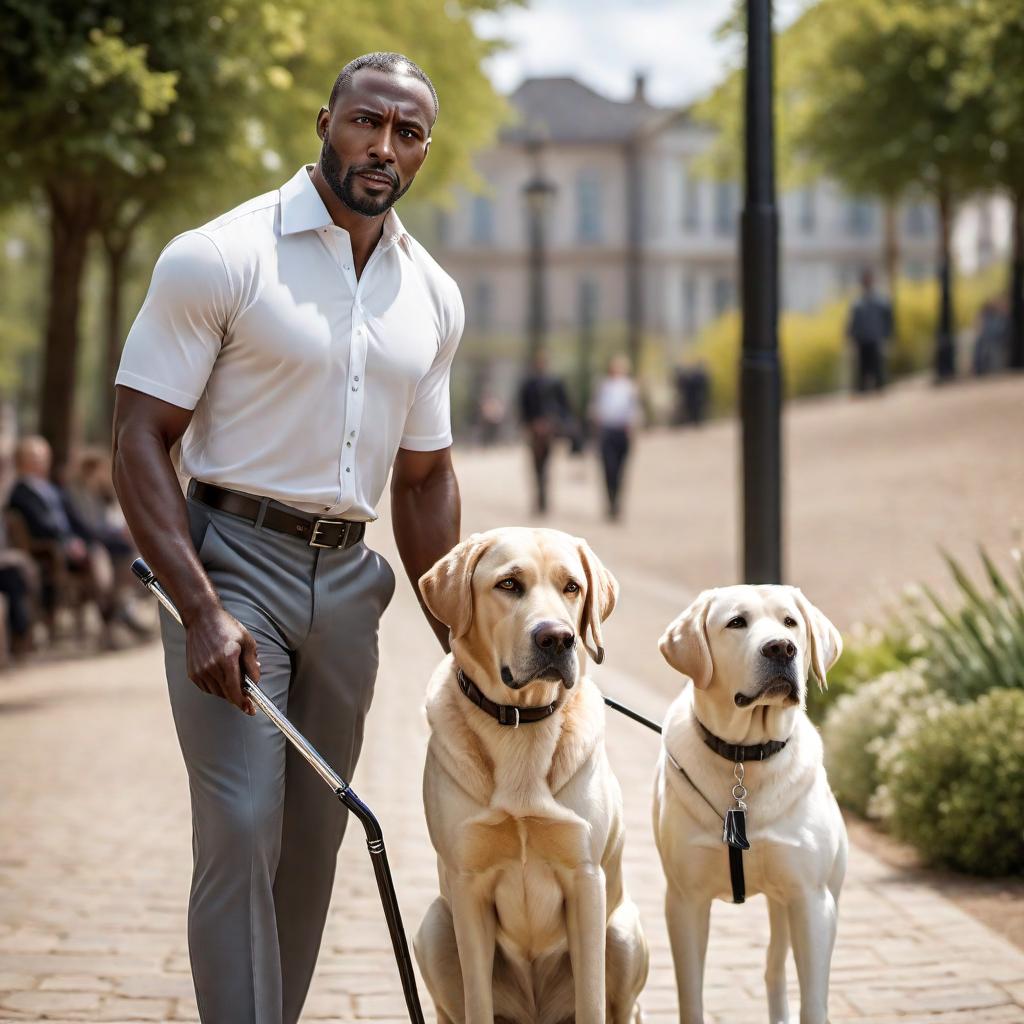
(300, 347)
(616, 412)
(869, 328)
(544, 412)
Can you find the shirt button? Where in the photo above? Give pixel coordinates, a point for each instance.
(348, 469)
(355, 378)
(355, 387)
(347, 266)
(353, 434)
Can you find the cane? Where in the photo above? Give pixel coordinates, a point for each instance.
(342, 790)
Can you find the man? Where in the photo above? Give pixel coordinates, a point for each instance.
(300, 347)
(869, 328)
(616, 412)
(543, 411)
(49, 516)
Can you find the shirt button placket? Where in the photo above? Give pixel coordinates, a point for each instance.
(354, 411)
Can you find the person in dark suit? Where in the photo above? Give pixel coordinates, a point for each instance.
(544, 413)
(869, 329)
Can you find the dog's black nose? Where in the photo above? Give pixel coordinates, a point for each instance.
(779, 650)
(553, 637)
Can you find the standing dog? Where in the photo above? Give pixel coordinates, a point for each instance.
(748, 651)
(533, 923)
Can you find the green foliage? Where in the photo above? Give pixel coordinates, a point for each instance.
(814, 348)
(980, 645)
(859, 724)
(954, 785)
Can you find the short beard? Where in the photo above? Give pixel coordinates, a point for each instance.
(344, 188)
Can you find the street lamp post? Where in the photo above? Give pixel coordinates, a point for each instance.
(537, 192)
(760, 375)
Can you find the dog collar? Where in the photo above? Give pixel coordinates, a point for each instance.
(735, 752)
(505, 714)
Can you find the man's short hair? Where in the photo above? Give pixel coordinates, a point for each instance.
(388, 62)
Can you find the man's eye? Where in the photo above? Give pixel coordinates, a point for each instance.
(737, 622)
(407, 133)
(789, 621)
(572, 587)
(362, 119)
(510, 584)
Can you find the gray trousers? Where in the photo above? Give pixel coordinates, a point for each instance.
(265, 828)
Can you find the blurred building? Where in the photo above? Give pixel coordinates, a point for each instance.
(634, 232)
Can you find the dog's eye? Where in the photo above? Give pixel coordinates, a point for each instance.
(789, 621)
(572, 587)
(510, 583)
(737, 622)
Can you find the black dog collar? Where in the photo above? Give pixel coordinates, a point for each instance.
(737, 753)
(505, 714)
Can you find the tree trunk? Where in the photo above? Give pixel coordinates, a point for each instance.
(891, 254)
(945, 351)
(73, 210)
(116, 249)
(1015, 356)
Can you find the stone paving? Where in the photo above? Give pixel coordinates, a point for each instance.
(94, 860)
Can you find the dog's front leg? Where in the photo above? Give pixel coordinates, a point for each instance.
(688, 917)
(812, 925)
(475, 924)
(587, 927)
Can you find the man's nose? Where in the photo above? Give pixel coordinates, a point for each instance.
(554, 637)
(382, 148)
(782, 649)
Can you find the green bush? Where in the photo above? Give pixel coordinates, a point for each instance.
(860, 723)
(954, 785)
(980, 645)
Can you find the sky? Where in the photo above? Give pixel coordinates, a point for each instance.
(605, 42)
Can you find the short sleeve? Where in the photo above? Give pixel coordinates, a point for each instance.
(428, 427)
(175, 340)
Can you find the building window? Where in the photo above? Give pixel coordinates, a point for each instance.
(807, 210)
(483, 306)
(689, 305)
(482, 220)
(724, 297)
(588, 207)
(691, 201)
(588, 296)
(860, 217)
(917, 220)
(725, 208)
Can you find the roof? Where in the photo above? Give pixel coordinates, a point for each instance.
(565, 110)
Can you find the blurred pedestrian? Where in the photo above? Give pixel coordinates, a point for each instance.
(544, 413)
(869, 328)
(989, 354)
(693, 386)
(615, 412)
(19, 583)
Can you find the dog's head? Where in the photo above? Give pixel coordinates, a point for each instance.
(752, 645)
(521, 606)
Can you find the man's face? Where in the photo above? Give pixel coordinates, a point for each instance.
(375, 139)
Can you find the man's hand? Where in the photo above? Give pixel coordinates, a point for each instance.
(218, 650)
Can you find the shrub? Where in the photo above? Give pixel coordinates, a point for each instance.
(858, 726)
(954, 785)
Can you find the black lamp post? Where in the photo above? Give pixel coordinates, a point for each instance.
(537, 192)
(760, 375)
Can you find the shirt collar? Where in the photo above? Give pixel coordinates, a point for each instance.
(302, 209)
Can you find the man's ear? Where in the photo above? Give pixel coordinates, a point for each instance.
(684, 644)
(826, 642)
(447, 587)
(599, 602)
(323, 119)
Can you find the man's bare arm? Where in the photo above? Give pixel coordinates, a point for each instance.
(426, 514)
(218, 647)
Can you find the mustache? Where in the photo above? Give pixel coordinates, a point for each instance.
(376, 169)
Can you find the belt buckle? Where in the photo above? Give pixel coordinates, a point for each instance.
(323, 524)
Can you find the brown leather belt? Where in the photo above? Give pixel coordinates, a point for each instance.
(317, 533)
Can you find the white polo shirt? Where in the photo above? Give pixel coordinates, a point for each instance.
(305, 382)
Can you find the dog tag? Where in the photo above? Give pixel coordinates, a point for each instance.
(735, 832)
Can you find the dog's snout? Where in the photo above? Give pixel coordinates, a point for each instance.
(554, 637)
(782, 649)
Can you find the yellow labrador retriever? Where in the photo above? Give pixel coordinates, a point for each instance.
(533, 923)
(749, 651)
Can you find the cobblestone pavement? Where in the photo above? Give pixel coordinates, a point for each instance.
(94, 860)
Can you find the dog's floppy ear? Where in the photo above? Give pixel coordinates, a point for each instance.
(825, 640)
(447, 587)
(684, 644)
(602, 593)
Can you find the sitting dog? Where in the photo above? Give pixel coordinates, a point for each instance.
(533, 923)
(748, 651)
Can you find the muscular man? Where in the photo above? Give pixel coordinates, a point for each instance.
(300, 347)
